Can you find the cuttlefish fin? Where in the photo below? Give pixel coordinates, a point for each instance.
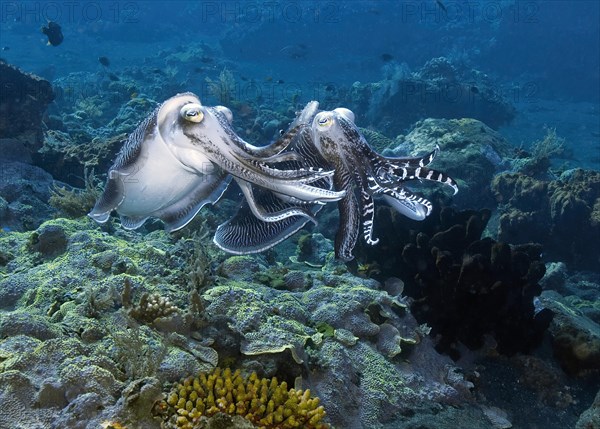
(244, 233)
(110, 199)
(132, 222)
(209, 191)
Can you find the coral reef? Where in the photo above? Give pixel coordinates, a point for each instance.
(471, 152)
(463, 286)
(537, 163)
(266, 403)
(341, 327)
(69, 342)
(151, 307)
(591, 417)
(552, 213)
(223, 89)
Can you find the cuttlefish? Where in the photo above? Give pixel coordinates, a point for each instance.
(333, 141)
(183, 157)
(365, 174)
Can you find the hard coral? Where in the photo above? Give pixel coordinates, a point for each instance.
(266, 403)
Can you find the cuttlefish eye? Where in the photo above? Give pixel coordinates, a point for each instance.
(324, 121)
(192, 112)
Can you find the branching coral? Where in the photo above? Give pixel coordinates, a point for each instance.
(541, 152)
(223, 89)
(75, 202)
(138, 351)
(551, 145)
(266, 403)
(152, 307)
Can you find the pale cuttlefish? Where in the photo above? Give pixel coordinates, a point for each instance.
(183, 156)
(334, 142)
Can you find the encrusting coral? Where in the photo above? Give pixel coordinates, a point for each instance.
(266, 403)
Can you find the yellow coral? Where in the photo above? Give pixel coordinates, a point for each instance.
(266, 403)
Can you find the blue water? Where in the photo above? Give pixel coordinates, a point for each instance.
(553, 44)
(535, 51)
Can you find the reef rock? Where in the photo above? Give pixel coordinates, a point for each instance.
(438, 90)
(24, 195)
(563, 215)
(471, 153)
(575, 338)
(591, 417)
(23, 101)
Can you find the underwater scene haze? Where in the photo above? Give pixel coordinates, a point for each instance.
(300, 214)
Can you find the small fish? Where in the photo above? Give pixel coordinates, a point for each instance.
(133, 95)
(113, 77)
(386, 58)
(329, 88)
(441, 5)
(157, 71)
(268, 79)
(206, 60)
(474, 90)
(280, 81)
(104, 61)
(5, 48)
(54, 33)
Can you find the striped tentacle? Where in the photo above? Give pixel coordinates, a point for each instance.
(368, 187)
(394, 169)
(418, 173)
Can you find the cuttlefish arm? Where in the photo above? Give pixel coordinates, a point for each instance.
(349, 217)
(391, 171)
(263, 214)
(250, 232)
